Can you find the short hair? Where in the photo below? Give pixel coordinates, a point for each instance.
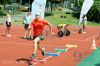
(37, 14)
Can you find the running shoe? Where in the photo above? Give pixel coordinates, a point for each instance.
(43, 51)
(34, 56)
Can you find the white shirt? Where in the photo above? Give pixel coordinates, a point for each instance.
(28, 19)
(9, 18)
(84, 19)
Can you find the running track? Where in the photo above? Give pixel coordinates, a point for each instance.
(15, 47)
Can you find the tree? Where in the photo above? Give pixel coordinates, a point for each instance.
(4, 2)
(93, 14)
(53, 2)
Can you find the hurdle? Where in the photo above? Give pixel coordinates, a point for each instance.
(51, 54)
(61, 50)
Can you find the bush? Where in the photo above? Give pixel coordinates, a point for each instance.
(76, 13)
(2, 13)
(93, 14)
(0, 8)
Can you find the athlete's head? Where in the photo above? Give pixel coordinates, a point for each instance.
(37, 16)
(84, 16)
(8, 14)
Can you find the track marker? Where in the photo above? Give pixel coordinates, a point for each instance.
(94, 44)
(51, 54)
(39, 61)
(60, 50)
(71, 46)
(96, 35)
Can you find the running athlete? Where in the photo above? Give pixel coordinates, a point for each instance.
(38, 25)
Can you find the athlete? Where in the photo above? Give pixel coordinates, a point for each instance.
(38, 25)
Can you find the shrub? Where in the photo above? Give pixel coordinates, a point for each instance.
(93, 14)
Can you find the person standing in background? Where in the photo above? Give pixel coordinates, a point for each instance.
(82, 29)
(8, 25)
(27, 21)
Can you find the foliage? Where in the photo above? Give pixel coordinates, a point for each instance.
(93, 14)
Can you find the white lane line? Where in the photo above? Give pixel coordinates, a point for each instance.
(50, 56)
(91, 37)
(26, 44)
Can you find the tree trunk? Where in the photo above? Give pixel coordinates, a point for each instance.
(4, 6)
(75, 3)
(51, 7)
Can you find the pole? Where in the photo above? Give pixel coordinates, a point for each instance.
(29, 5)
(20, 4)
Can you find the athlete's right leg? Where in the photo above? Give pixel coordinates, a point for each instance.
(7, 31)
(80, 27)
(6, 28)
(29, 33)
(35, 47)
(25, 34)
(84, 28)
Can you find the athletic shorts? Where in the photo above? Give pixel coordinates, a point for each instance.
(8, 24)
(26, 26)
(40, 36)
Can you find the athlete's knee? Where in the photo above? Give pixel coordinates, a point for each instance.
(36, 40)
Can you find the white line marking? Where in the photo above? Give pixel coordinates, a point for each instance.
(27, 44)
(91, 37)
(16, 43)
(47, 57)
(76, 40)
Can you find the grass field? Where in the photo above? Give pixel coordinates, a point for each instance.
(55, 19)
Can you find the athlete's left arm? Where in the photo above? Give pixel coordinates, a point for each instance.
(49, 25)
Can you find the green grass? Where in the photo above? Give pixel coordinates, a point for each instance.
(55, 19)
(93, 24)
(20, 22)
